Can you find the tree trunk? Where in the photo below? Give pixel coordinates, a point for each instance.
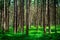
(41, 13)
(30, 14)
(15, 16)
(47, 7)
(55, 15)
(2, 24)
(4, 16)
(7, 16)
(44, 12)
(22, 14)
(0, 19)
(27, 17)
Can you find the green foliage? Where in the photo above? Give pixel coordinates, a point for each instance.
(33, 34)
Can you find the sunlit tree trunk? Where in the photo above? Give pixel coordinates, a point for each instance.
(4, 15)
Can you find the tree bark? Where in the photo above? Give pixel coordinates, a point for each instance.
(22, 14)
(48, 12)
(15, 16)
(55, 15)
(27, 17)
(44, 12)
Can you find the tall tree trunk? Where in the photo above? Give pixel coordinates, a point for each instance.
(1, 20)
(47, 10)
(57, 3)
(4, 16)
(22, 14)
(15, 16)
(7, 15)
(27, 16)
(55, 15)
(37, 13)
(2, 23)
(41, 13)
(44, 12)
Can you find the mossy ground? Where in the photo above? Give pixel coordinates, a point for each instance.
(34, 34)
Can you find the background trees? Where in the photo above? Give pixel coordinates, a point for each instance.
(4, 14)
(26, 13)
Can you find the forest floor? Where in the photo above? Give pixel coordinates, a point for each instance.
(34, 34)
